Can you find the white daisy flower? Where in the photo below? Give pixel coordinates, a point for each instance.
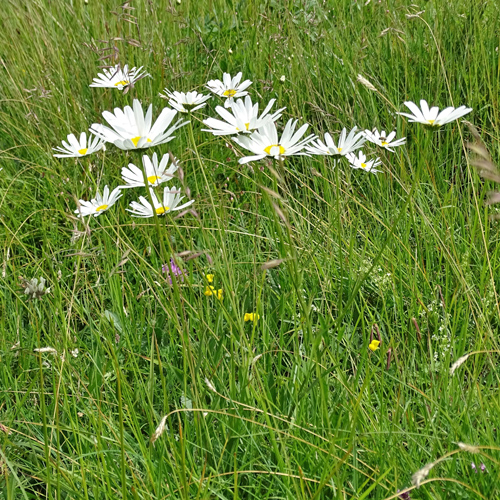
(229, 88)
(432, 116)
(186, 102)
(117, 78)
(132, 130)
(171, 200)
(75, 148)
(361, 162)
(99, 204)
(346, 145)
(244, 117)
(264, 142)
(383, 140)
(156, 174)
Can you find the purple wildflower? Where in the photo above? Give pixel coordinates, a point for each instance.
(405, 495)
(173, 269)
(473, 465)
(483, 468)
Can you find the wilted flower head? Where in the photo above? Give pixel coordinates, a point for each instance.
(34, 288)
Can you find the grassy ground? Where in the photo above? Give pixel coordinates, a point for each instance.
(298, 406)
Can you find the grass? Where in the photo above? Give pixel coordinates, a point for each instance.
(297, 406)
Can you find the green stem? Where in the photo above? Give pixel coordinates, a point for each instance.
(163, 254)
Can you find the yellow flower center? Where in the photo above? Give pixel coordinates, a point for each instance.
(83, 151)
(247, 125)
(136, 140)
(162, 210)
(431, 122)
(123, 82)
(100, 208)
(153, 178)
(384, 143)
(229, 93)
(339, 150)
(363, 165)
(269, 148)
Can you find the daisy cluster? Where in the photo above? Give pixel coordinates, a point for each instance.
(239, 118)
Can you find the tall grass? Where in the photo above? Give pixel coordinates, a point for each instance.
(296, 405)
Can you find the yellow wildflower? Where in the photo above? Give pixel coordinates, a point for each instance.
(210, 278)
(374, 345)
(251, 317)
(209, 291)
(219, 294)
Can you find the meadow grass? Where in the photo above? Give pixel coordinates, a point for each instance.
(295, 405)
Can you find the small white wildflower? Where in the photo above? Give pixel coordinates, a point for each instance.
(282, 79)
